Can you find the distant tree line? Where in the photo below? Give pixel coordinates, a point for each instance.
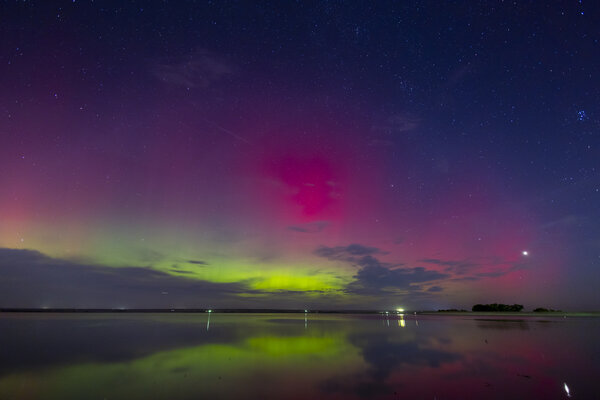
(498, 307)
(541, 309)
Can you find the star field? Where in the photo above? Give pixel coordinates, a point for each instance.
(323, 155)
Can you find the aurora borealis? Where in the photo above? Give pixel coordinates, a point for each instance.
(227, 154)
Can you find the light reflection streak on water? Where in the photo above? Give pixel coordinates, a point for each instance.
(401, 321)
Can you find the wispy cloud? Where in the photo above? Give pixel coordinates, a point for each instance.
(397, 123)
(388, 129)
(347, 253)
(181, 271)
(456, 267)
(310, 227)
(199, 69)
(565, 221)
(476, 269)
(197, 262)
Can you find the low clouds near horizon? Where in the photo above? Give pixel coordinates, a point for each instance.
(29, 278)
(375, 277)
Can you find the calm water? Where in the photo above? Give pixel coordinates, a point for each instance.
(285, 356)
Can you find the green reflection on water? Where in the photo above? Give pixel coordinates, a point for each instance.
(264, 356)
(218, 370)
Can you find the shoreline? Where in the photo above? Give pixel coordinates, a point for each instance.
(554, 314)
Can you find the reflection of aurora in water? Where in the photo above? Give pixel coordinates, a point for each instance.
(228, 370)
(278, 356)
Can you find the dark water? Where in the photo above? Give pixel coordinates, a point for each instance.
(284, 356)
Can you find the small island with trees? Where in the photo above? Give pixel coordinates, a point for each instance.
(495, 307)
(498, 307)
(511, 310)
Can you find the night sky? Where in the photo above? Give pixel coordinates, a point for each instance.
(307, 155)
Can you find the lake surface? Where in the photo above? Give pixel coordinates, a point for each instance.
(288, 356)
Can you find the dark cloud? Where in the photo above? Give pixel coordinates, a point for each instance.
(435, 289)
(465, 279)
(311, 227)
(347, 253)
(439, 262)
(31, 279)
(181, 271)
(197, 262)
(376, 277)
(199, 70)
(492, 274)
